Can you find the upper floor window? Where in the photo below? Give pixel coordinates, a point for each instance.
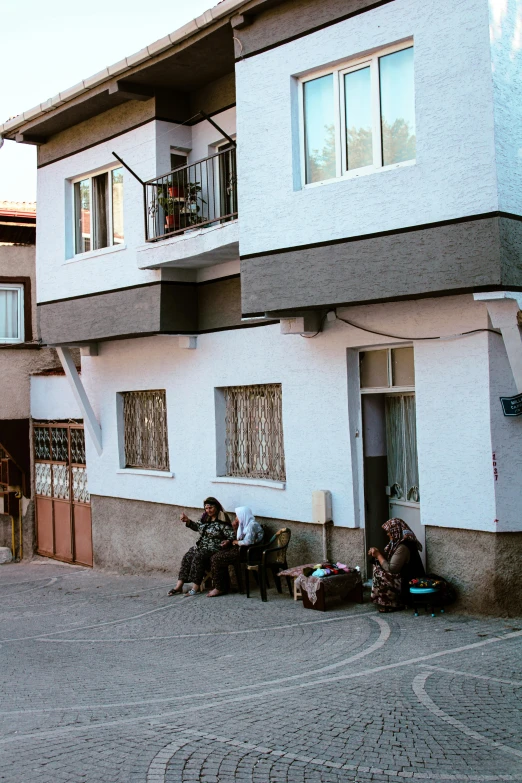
(11, 313)
(98, 211)
(359, 116)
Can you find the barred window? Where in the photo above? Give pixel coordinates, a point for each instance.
(254, 432)
(145, 430)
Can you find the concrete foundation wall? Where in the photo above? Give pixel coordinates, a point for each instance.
(484, 568)
(136, 536)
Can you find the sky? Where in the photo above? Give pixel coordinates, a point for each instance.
(47, 47)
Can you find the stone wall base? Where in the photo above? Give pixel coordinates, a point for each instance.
(134, 536)
(484, 567)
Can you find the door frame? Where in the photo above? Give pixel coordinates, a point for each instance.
(45, 503)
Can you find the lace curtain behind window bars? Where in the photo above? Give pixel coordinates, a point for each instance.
(254, 432)
(401, 437)
(54, 480)
(145, 430)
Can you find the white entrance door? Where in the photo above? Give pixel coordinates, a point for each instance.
(403, 470)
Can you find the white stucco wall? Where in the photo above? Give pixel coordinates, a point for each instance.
(506, 60)
(506, 441)
(454, 173)
(52, 399)
(147, 152)
(454, 433)
(453, 413)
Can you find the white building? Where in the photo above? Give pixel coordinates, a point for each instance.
(344, 319)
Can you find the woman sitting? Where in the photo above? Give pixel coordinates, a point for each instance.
(248, 532)
(393, 572)
(214, 528)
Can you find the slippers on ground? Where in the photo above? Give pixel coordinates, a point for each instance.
(174, 591)
(192, 592)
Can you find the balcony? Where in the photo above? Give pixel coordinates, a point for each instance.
(191, 214)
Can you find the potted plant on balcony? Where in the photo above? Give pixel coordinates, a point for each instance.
(170, 205)
(192, 205)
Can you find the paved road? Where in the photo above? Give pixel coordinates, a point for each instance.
(106, 679)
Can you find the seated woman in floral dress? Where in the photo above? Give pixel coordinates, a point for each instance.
(249, 532)
(214, 528)
(393, 571)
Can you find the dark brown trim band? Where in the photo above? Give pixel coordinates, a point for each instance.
(128, 130)
(217, 279)
(314, 29)
(383, 299)
(131, 287)
(378, 234)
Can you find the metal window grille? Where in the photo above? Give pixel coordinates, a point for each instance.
(145, 430)
(254, 432)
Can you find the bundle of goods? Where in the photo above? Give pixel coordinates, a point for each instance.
(328, 569)
(425, 585)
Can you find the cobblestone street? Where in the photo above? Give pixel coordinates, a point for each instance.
(107, 679)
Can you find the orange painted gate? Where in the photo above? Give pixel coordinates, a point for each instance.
(63, 509)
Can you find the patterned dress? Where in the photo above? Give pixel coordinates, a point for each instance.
(196, 562)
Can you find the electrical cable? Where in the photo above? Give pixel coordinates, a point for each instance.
(402, 337)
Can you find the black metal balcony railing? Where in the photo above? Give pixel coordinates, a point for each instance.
(192, 196)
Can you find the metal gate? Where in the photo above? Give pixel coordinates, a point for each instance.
(63, 510)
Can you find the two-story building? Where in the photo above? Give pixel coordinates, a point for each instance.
(31, 379)
(331, 305)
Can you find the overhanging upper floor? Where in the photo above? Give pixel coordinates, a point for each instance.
(475, 253)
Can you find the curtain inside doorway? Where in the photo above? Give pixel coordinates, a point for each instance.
(401, 438)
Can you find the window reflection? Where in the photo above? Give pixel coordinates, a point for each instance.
(117, 206)
(319, 129)
(358, 117)
(397, 107)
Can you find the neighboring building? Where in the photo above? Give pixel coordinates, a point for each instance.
(21, 356)
(266, 335)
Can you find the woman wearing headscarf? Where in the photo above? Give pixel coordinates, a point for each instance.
(215, 530)
(396, 567)
(248, 532)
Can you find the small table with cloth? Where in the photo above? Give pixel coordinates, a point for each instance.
(317, 589)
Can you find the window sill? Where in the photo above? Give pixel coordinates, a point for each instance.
(358, 173)
(144, 472)
(103, 251)
(22, 345)
(251, 482)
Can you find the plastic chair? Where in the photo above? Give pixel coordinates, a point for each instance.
(264, 557)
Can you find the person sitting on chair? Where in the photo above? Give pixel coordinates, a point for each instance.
(393, 571)
(248, 532)
(215, 529)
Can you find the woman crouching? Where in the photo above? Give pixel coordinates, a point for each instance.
(396, 568)
(248, 532)
(215, 529)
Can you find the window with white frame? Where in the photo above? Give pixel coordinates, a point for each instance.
(98, 211)
(11, 313)
(254, 432)
(359, 116)
(145, 438)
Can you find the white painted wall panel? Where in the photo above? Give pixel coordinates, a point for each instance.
(506, 436)
(52, 398)
(506, 59)
(454, 433)
(59, 276)
(147, 152)
(453, 400)
(454, 174)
